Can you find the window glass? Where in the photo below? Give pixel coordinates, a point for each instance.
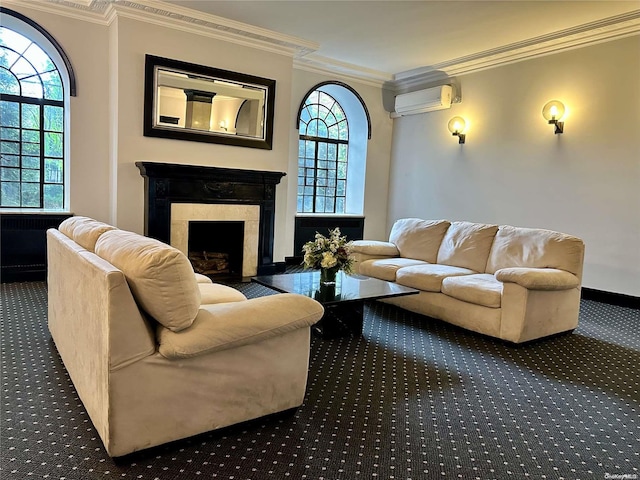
(322, 155)
(32, 133)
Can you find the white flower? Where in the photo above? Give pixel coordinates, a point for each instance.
(328, 260)
(328, 252)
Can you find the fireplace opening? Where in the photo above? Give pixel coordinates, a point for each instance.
(216, 248)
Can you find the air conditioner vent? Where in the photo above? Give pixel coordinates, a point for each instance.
(421, 101)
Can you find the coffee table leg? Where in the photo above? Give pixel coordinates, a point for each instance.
(341, 320)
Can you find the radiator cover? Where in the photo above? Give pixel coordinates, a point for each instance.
(23, 245)
(306, 227)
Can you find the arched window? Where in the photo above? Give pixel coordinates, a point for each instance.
(322, 155)
(32, 118)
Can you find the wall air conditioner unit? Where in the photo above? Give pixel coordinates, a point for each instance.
(421, 101)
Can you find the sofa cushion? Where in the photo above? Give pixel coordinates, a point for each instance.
(418, 239)
(480, 289)
(467, 245)
(537, 248)
(428, 277)
(161, 277)
(385, 268)
(69, 224)
(86, 233)
(211, 293)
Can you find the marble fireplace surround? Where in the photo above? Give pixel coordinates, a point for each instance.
(183, 213)
(227, 190)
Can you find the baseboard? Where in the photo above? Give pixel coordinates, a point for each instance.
(612, 298)
(13, 275)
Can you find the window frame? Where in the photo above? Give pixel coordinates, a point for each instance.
(317, 168)
(37, 35)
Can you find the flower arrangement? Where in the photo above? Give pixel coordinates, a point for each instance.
(333, 252)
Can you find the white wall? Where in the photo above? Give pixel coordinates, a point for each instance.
(514, 170)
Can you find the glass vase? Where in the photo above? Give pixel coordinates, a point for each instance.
(328, 275)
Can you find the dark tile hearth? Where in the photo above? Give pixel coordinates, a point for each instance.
(411, 399)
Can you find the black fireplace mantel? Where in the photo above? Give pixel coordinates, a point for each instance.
(167, 183)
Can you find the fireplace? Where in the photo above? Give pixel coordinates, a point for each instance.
(215, 248)
(176, 195)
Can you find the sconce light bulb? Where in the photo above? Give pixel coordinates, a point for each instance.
(553, 110)
(456, 125)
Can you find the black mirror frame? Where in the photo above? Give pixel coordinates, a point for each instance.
(152, 61)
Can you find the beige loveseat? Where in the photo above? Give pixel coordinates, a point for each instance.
(513, 283)
(158, 353)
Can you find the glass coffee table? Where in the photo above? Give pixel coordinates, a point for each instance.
(343, 302)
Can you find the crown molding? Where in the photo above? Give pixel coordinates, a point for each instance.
(87, 10)
(185, 19)
(104, 12)
(611, 28)
(173, 16)
(327, 66)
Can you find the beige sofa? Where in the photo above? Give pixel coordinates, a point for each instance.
(516, 284)
(158, 353)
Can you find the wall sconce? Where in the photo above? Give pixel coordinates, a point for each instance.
(553, 112)
(456, 127)
(223, 125)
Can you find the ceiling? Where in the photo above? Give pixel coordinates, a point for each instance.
(391, 37)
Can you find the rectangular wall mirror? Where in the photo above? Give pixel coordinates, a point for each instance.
(185, 101)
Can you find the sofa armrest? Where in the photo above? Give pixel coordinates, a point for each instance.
(538, 278)
(230, 325)
(374, 247)
(202, 278)
(363, 250)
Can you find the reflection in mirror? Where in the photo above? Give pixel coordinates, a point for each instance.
(194, 102)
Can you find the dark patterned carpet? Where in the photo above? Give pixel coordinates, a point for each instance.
(413, 398)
